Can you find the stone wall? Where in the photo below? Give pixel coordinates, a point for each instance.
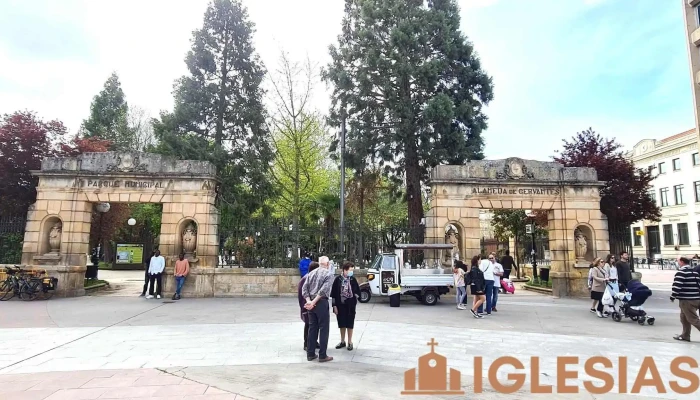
(71, 280)
(240, 282)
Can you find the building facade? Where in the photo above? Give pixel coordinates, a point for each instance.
(691, 13)
(676, 189)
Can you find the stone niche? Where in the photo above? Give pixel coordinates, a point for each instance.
(453, 235)
(51, 235)
(188, 239)
(584, 244)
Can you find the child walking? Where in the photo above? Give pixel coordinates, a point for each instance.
(458, 273)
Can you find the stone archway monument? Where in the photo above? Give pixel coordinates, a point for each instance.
(57, 234)
(578, 231)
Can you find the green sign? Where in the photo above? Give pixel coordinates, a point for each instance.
(129, 254)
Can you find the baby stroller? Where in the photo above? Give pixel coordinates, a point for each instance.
(630, 304)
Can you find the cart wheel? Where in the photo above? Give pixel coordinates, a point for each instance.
(430, 298)
(365, 296)
(641, 321)
(616, 316)
(651, 320)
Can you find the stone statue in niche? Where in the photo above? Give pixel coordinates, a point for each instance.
(189, 239)
(581, 244)
(452, 237)
(55, 237)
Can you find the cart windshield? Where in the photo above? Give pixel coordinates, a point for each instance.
(388, 262)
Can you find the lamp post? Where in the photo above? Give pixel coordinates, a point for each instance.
(131, 222)
(531, 214)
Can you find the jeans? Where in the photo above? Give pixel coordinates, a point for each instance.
(489, 298)
(319, 323)
(155, 281)
(145, 283)
(180, 281)
(494, 296)
(461, 294)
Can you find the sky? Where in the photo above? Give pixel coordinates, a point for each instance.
(559, 67)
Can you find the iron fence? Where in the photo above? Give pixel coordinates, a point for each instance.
(281, 245)
(621, 240)
(11, 238)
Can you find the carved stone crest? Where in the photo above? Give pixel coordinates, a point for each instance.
(515, 169)
(128, 163)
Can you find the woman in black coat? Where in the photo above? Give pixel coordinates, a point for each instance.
(345, 292)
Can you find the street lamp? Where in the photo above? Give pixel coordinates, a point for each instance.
(531, 214)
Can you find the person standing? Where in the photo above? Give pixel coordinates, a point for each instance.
(304, 264)
(624, 273)
(155, 275)
(508, 263)
(344, 293)
(497, 275)
(475, 280)
(317, 290)
(302, 302)
(486, 267)
(146, 265)
(182, 269)
(597, 287)
(686, 288)
(460, 288)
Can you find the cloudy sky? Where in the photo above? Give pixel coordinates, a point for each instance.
(619, 66)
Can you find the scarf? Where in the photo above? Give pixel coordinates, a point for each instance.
(345, 289)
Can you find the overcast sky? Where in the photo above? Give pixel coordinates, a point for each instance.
(559, 66)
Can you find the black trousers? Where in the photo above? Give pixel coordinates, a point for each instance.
(306, 334)
(319, 322)
(157, 281)
(145, 283)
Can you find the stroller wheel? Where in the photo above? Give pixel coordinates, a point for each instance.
(616, 316)
(651, 320)
(634, 318)
(641, 321)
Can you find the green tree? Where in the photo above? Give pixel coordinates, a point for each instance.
(411, 87)
(218, 114)
(511, 224)
(109, 116)
(299, 140)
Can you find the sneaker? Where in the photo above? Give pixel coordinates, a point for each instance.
(340, 345)
(461, 307)
(593, 310)
(142, 295)
(599, 314)
(174, 297)
(158, 297)
(178, 297)
(494, 309)
(311, 358)
(149, 296)
(350, 347)
(474, 314)
(325, 359)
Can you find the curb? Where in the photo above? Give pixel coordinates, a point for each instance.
(96, 286)
(538, 289)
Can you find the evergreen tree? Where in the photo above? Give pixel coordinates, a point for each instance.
(108, 116)
(219, 115)
(412, 89)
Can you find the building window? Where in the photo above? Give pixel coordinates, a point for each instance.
(678, 194)
(676, 164)
(668, 235)
(662, 168)
(664, 197)
(683, 239)
(652, 196)
(696, 159)
(697, 191)
(637, 239)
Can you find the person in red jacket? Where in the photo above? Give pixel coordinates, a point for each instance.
(302, 302)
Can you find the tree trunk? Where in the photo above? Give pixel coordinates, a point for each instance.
(413, 192)
(361, 249)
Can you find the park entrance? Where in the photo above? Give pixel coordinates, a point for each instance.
(57, 234)
(578, 231)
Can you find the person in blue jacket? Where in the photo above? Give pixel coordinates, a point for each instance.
(304, 264)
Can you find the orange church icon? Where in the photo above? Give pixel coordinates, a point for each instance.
(432, 376)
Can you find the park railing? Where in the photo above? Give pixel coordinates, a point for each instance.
(11, 238)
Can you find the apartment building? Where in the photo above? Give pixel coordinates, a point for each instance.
(691, 12)
(676, 164)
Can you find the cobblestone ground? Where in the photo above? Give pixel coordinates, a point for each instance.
(111, 346)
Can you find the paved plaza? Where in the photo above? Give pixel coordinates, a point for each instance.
(117, 345)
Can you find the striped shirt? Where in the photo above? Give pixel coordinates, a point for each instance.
(318, 283)
(686, 284)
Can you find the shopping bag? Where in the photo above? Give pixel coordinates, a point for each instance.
(607, 298)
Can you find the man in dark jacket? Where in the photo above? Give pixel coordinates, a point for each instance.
(145, 279)
(686, 288)
(302, 303)
(624, 273)
(508, 263)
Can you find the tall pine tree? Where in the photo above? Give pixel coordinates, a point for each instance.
(108, 116)
(219, 110)
(411, 87)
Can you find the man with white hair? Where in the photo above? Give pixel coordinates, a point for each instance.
(317, 291)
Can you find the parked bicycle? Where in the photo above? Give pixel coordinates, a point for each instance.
(26, 285)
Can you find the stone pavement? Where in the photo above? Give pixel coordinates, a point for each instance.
(252, 347)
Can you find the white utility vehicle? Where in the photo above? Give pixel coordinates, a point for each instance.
(427, 281)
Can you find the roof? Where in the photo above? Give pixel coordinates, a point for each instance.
(418, 246)
(678, 136)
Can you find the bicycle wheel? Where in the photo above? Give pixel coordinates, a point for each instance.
(29, 291)
(47, 294)
(7, 291)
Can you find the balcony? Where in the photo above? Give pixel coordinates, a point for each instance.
(695, 37)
